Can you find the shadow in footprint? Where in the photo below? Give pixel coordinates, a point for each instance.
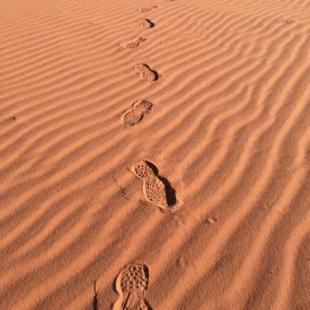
(147, 23)
(156, 75)
(170, 192)
(95, 299)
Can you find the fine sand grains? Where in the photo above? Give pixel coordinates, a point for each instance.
(219, 101)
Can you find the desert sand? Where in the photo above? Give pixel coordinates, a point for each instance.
(155, 154)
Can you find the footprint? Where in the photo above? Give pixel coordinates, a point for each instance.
(144, 10)
(142, 170)
(157, 190)
(134, 44)
(135, 114)
(131, 284)
(147, 23)
(146, 73)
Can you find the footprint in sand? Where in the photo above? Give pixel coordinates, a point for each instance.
(134, 44)
(131, 284)
(144, 10)
(156, 189)
(147, 23)
(135, 114)
(146, 73)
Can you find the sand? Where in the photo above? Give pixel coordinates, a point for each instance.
(155, 153)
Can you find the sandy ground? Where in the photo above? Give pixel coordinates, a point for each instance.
(155, 153)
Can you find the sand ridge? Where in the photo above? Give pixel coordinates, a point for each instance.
(213, 96)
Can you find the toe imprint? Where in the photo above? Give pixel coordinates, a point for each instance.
(143, 105)
(142, 170)
(140, 67)
(131, 285)
(134, 275)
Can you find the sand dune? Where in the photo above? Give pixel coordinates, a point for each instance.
(212, 96)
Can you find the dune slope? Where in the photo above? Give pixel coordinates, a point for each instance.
(214, 96)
